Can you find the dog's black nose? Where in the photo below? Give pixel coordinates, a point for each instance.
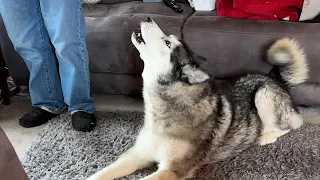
(147, 19)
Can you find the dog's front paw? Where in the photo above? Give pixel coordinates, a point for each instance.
(98, 177)
(93, 177)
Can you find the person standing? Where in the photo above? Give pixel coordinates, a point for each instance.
(50, 37)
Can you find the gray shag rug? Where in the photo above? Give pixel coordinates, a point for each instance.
(61, 153)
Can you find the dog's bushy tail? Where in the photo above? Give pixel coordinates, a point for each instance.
(290, 59)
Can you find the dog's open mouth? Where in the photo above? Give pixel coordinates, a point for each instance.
(138, 37)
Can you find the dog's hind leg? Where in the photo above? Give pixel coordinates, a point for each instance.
(276, 113)
(272, 136)
(128, 163)
(287, 121)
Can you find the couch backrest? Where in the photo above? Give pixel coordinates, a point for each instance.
(237, 46)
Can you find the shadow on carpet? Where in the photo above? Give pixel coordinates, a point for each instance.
(60, 153)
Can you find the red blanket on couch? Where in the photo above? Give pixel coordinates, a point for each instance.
(260, 9)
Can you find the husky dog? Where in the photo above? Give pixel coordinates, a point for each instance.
(190, 121)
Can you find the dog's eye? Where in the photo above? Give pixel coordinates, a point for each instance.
(168, 43)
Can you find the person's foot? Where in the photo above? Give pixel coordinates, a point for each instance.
(36, 117)
(83, 121)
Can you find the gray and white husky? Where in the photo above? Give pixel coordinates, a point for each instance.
(190, 121)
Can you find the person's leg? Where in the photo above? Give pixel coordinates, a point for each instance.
(29, 36)
(67, 29)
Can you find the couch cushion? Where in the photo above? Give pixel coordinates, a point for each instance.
(306, 94)
(237, 46)
(109, 28)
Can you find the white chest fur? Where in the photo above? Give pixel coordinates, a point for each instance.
(161, 149)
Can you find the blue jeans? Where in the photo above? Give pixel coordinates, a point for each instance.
(50, 37)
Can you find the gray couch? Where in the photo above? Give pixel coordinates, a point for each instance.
(232, 46)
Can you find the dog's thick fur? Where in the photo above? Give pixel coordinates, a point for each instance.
(190, 121)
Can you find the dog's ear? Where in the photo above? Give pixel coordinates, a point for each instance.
(193, 75)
